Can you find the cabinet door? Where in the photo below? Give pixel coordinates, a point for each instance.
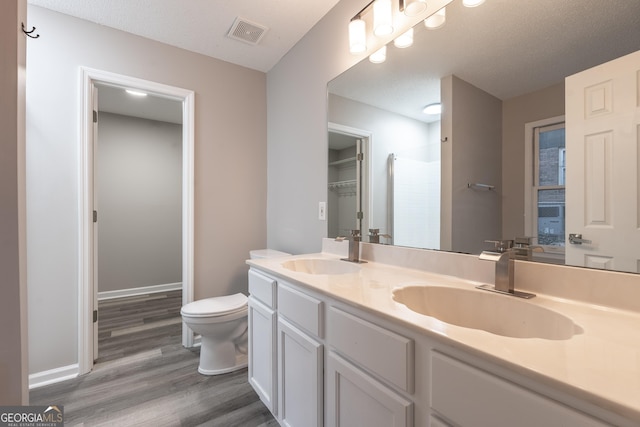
(300, 379)
(354, 399)
(262, 359)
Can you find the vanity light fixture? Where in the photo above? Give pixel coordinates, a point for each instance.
(382, 18)
(472, 3)
(135, 93)
(357, 35)
(433, 109)
(379, 56)
(437, 20)
(413, 7)
(404, 40)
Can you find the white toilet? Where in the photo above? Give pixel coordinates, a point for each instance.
(222, 324)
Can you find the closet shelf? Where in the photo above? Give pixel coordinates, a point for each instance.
(343, 162)
(344, 188)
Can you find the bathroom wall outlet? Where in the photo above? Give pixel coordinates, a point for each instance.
(322, 211)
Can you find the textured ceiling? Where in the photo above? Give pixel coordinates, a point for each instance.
(201, 25)
(505, 47)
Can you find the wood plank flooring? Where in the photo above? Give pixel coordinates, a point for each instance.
(144, 377)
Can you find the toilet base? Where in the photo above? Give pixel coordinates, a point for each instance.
(241, 362)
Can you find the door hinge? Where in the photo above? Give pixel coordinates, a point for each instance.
(95, 116)
(95, 316)
(359, 215)
(360, 157)
(95, 216)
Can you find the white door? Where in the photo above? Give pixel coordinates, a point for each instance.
(602, 121)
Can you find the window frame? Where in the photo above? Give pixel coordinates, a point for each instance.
(531, 168)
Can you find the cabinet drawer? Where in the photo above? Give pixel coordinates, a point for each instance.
(262, 287)
(386, 354)
(468, 396)
(301, 309)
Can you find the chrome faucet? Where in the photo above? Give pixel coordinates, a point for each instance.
(505, 273)
(354, 246)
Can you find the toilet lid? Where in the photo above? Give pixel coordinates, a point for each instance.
(217, 306)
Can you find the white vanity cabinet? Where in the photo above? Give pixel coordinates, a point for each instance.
(262, 338)
(316, 361)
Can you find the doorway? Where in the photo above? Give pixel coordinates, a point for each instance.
(348, 181)
(88, 268)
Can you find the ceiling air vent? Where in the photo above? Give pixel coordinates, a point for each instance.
(246, 31)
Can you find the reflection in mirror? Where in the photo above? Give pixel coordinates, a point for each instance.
(499, 70)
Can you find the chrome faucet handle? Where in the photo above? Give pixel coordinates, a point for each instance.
(502, 245)
(355, 233)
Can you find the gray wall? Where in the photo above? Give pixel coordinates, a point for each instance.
(516, 112)
(230, 167)
(139, 179)
(13, 334)
(297, 129)
(472, 124)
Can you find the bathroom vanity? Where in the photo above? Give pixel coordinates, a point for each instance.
(331, 343)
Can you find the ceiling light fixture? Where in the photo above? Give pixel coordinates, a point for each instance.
(379, 56)
(382, 18)
(135, 93)
(433, 109)
(472, 3)
(404, 40)
(437, 20)
(413, 7)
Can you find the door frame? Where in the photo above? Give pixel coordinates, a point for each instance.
(88, 77)
(367, 149)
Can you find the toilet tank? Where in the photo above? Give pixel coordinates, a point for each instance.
(266, 253)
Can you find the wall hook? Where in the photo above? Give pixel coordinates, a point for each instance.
(29, 33)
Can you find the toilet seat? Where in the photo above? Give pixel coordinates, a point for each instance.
(216, 306)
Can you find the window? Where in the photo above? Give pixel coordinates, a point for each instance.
(546, 170)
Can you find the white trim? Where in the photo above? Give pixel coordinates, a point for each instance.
(367, 149)
(529, 208)
(143, 290)
(41, 379)
(88, 77)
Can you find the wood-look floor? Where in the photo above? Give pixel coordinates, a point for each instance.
(144, 377)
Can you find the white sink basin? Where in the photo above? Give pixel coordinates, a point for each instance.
(321, 266)
(477, 309)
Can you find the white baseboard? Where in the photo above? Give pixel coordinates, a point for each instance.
(40, 379)
(120, 293)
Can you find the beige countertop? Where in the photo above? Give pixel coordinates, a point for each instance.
(600, 365)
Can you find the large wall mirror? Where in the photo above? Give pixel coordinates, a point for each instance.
(494, 164)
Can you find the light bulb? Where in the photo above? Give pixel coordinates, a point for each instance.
(382, 18)
(357, 36)
(436, 20)
(472, 3)
(379, 56)
(404, 40)
(415, 7)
